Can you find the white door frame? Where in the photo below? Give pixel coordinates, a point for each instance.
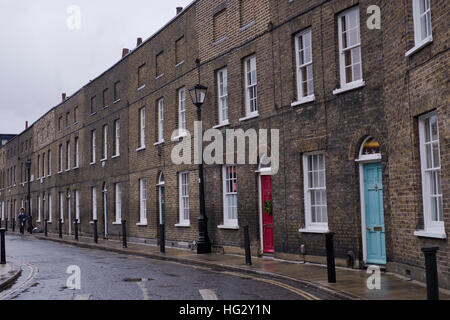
(362, 160)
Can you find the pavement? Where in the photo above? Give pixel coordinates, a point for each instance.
(9, 272)
(351, 283)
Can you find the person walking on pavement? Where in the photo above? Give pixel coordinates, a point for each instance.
(22, 220)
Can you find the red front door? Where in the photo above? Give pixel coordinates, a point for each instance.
(267, 212)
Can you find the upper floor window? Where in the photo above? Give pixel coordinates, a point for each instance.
(141, 128)
(116, 139)
(67, 155)
(75, 115)
(117, 91)
(180, 51)
(220, 25)
(423, 32)
(160, 64)
(67, 119)
(118, 202)
(251, 87)
(433, 208)
(350, 50)
(315, 191)
(141, 76)
(247, 12)
(105, 142)
(93, 146)
(60, 158)
(93, 106)
(105, 98)
(222, 94)
(59, 126)
(305, 79)
(181, 111)
(161, 120)
(77, 153)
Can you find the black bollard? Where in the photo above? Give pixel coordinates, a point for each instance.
(76, 229)
(248, 255)
(60, 227)
(162, 240)
(331, 267)
(431, 272)
(14, 225)
(95, 231)
(124, 233)
(3, 251)
(46, 227)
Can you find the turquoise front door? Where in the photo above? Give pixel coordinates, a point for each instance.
(375, 230)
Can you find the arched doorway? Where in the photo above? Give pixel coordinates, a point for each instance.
(372, 208)
(266, 222)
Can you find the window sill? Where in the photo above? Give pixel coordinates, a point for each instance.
(177, 138)
(228, 227)
(105, 107)
(118, 100)
(158, 143)
(76, 168)
(93, 114)
(256, 115)
(303, 101)
(160, 76)
(104, 160)
(248, 25)
(92, 163)
(350, 86)
(92, 222)
(116, 223)
(220, 40)
(430, 234)
(318, 231)
(141, 148)
(179, 64)
(142, 224)
(224, 124)
(141, 87)
(419, 46)
(183, 225)
(60, 172)
(115, 156)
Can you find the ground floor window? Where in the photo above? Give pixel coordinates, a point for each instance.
(431, 173)
(183, 184)
(143, 201)
(315, 191)
(230, 193)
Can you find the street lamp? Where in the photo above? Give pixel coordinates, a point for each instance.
(30, 221)
(198, 95)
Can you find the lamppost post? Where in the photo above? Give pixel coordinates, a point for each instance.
(198, 95)
(30, 222)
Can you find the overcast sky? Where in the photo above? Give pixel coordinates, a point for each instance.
(41, 57)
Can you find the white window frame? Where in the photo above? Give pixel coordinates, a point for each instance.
(310, 226)
(61, 206)
(183, 194)
(117, 138)
(161, 120)
(141, 129)
(182, 111)
(50, 208)
(222, 95)
(434, 229)
(77, 205)
(142, 202)
(67, 155)
(227, 221)
(105, 142)
(118, 201)
(301, 56)
(349, 85)
(39, 209)
(419, 40)
(93, 146)
(60, 158)
(249, 67)
(94, 203)
(77, 153)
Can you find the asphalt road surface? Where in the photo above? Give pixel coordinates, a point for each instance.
(111, 276)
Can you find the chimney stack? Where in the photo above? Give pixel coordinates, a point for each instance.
(139, 42)
(125, 51)
(26, 125)
(179, 9)
(63, 97)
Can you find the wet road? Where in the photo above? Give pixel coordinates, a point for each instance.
(110, 276)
